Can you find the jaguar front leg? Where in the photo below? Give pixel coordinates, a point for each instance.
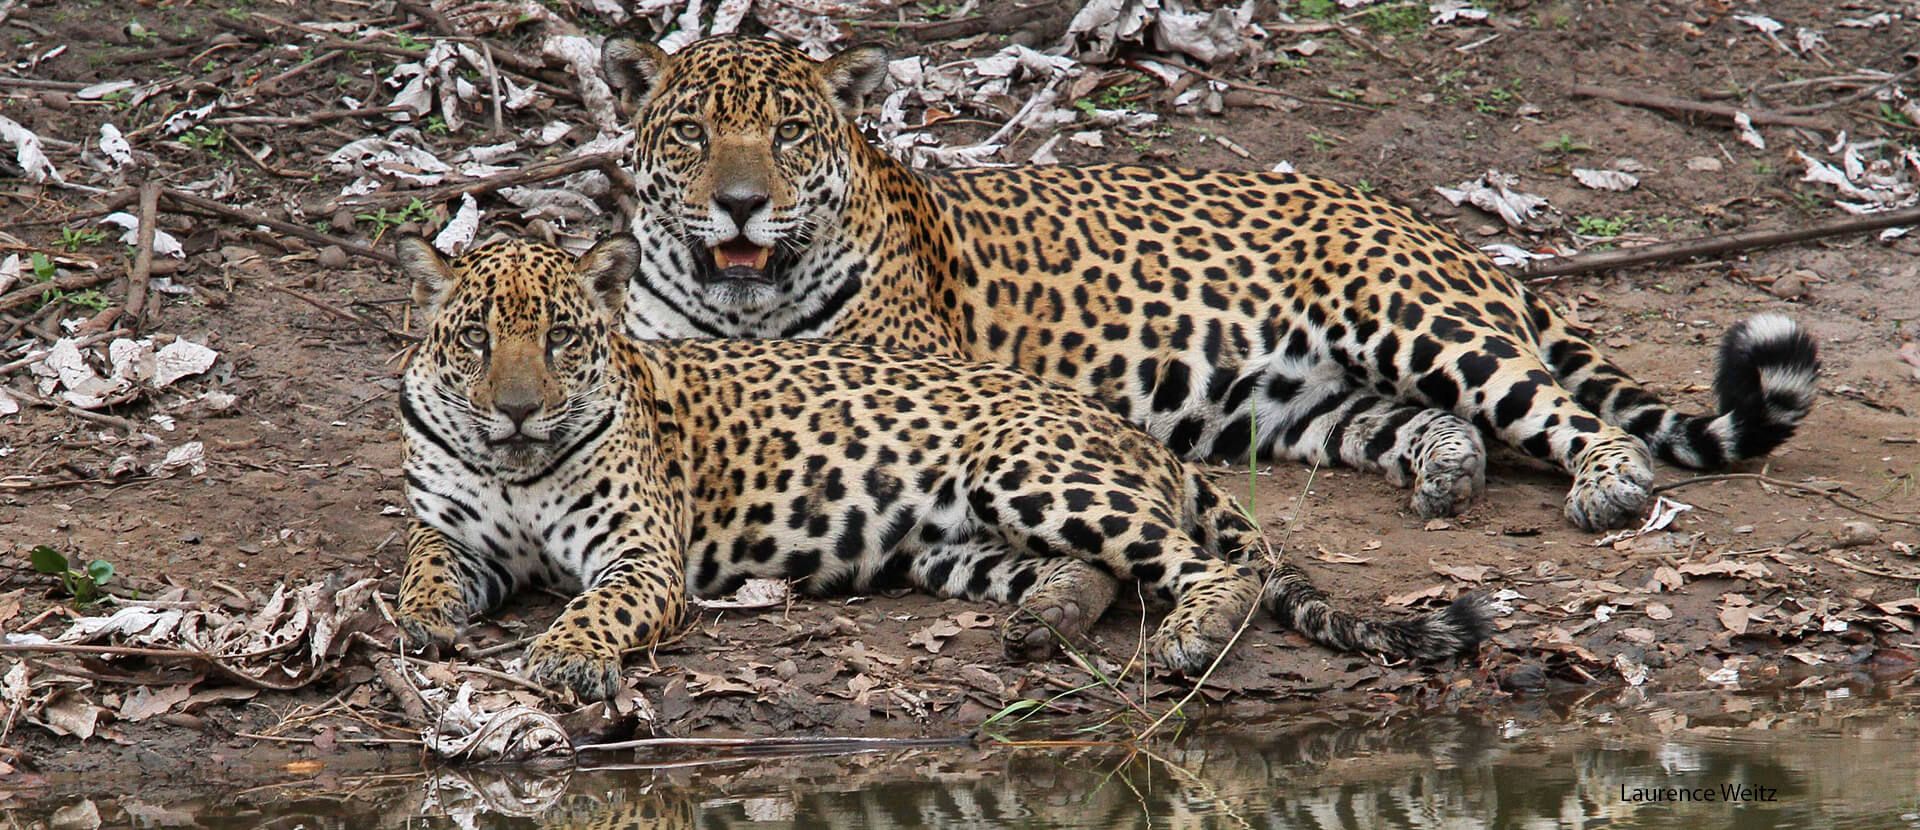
(631, 604)
(443, 586)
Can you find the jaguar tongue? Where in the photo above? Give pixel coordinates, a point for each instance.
(740, 253)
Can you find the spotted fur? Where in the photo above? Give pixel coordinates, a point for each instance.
(1224, 312)
(544, 446)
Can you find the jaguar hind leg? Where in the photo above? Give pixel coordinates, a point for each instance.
(1055, 599)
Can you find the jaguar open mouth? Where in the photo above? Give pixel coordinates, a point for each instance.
(739, 259)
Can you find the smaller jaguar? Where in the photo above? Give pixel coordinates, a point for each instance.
(544, 446)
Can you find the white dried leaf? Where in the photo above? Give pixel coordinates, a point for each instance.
(191, 456)
(582, 56)
(180, 359)
(1494, 192)
(467, 730)
(1748, 135)
(461, 229)
(1765, 24)
(555, 203)
(1872, 21)
(754, 593)
(102, 90)
(1606, 179)
(1808, 39)
(1449, 12)
(10, 270)
(28, 153)
(1511, 255)
(164, 243)
(1044, 153)
(1662, 514)
(114, 146)
(185, 120)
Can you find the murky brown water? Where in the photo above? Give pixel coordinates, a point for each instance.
(1733, 762)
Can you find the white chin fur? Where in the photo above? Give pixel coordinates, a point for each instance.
(742, 295)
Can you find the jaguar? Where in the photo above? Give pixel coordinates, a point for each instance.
(545, 447)
(1227, 313)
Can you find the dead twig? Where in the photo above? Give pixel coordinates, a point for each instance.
(606, 162)
(817, 744)
(346, 315)
(143, 255)
(1687, 106)
(38, 355)
(1715, 245)
(1278, 93)
(1788, 485)
(408, 697)
(1842, 562)
(35, 291)
(246, 219)
(303, 120)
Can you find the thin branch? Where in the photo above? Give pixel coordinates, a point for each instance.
(1697, 108)
(1715, 245)
(533, 174)
(1787, 485)
(247, 219)
(143, 255)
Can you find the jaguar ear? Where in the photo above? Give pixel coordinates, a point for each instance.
(421, 264)
(853, 73)
(605, 270)
(632, 68)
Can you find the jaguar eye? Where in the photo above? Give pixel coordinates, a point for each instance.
(790, 132)
(474, 337)
(689, 132)
(560, 336)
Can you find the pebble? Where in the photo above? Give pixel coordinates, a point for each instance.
(1856, 534)
(332, 257)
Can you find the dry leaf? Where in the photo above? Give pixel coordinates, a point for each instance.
(1408, 599)
(148, 701)
(1735, 618)
(1465, 573)
(1658, 611)
(934, 637)
(70, 713)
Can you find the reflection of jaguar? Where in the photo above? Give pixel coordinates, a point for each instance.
(1222, 311)
(544, 446)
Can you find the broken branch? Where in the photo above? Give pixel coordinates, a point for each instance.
(1685, 106)
(250, 219)
(1539, 270)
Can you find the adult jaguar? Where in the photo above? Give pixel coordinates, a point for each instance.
(1222, 311)
(544, 446)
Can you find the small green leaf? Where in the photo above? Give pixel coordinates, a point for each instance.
(46, 560)
(1011, 709)
(101, 570)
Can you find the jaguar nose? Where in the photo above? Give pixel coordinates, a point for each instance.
(518, 412)
(740, 204)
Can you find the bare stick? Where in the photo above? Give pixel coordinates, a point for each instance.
(526, 175)
(1870, 571)
(345, 314)
(1700, 108)
(143, 256)
(1713, 245)
(250, 219)
(71, 282)
(38, 355)
(304, 120)
(402, 691)
(1787, 485)
(824, 743)
(1278, 93)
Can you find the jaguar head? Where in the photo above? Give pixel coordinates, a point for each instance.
(742, 152)
(513, 369)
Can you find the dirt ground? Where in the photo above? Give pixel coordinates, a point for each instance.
(1761, 585)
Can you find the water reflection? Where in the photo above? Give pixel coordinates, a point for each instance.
(1817, 769)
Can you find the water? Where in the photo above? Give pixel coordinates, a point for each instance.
(1818, 765)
